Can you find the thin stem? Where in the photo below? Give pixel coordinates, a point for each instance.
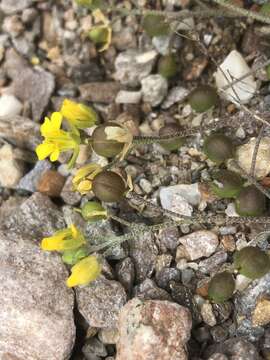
(256, 149)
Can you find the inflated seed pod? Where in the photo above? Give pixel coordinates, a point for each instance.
(250, 202)
(99, 34)
(221, 287)
(218, 147)
(155, 25)
(101, 145)
(167, 66)
(108, 186)
(226, 184)
(203, 98)
(93, 211)
(265, 9)
(174, 144)
(252, 262)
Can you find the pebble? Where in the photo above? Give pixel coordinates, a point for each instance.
(100, 302)
(235, 66)
(154, 89)
(11, 169)
(169, 238)
(148, 290)
(14, 6)
(100, 92)
(108, 336)
(218, 356)
(30, 180)
(68, 194)
(199, 244)
(125, 271)
(153, 330)
(10, 106)
(213, 263)
(176, 95)
(162, 44)
(165, 275)
(208, 314)
(261, 313)
(132, 66)
(146, 186)
(51, 183)
(94, 346)
(128, 97)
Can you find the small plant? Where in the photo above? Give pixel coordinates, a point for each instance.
(167, 66)
(168, 130)
(218, 148)
(221, 287)
(226, 184)
(252, 262)
(203, 98)
(155, 25)
(250, 202)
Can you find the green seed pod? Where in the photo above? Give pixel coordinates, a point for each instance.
(155, 25)
(167, 66)
(226, 184)
(108, 186)
(252, 262)
(71, 257)
(93, 211)
(221, 287)
(218, 148)
(265, 9)
(203, 98)
(99, 34)
(250, 202)
(174, 144)
(101, 145)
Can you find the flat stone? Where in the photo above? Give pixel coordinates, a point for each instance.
(30, 180)
(199, 244)
(153, 329)
(154, 89)
(10, 106)
(100, 302)
(36, 319)
(103, 92)
(128, 97)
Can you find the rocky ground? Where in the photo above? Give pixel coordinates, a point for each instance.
(150, 302)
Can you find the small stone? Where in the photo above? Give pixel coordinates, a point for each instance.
(14, 6)
(11, 169)
(30, 180)
(162, 261)
(169, 237)
(161, 44)
(12, 25)
(241, 282)
(228, 243)
(200, 243)
(108, 336)
(213, 263)
(218, 356)
(148, 290)
(176, 95)
(261, 314)
(234, 66)
(125, 271)
(100, 302)
(68, 194)
(51, 183)
(128, 97)
(153, 330)
(219, 333)
(95, 347)
(208, 314)
(131, 66)
(165, 275)
(154, 89)
(10, 106)
(146, 186)
(100, 92)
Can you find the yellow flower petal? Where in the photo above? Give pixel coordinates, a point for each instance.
(43, 150)
(78, 115)
(84, 186)
(84, 271)
(55, 155)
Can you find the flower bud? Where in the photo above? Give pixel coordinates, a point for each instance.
(93, 211)
(252, 262)
(173, 144)
(102, 146)
(218, 147)
(71, 257)
(250, 202)
(109, 186)
(167, 66)
(226, 184)
(221, 287)
(203, 98)
(155, 25)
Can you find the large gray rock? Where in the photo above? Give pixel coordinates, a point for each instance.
(36, 317)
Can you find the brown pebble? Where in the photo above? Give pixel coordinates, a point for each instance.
(51, 183)
(228, 242)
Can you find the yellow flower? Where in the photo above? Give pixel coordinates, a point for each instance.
(83, 178)
(56, 140)
(62, 240)
(78, 115)
(85, 271)
(122, 135)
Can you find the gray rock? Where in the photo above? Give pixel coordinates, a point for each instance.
(30, 180)
(68, 194)
(108, 336)
(162, 44)
(103, 92)
(125, 271)
(36, 318)
(131, 66)
(165, 275)
(95, 347)
(143, 252)
(169, 238)
(9, 106)
(218, 356)
(128, 97)
(154, 89)
(153, 330)
(212, 264)
(176, 95)
(14, 6)
(148, 290)
(36, 218)
(100, 302)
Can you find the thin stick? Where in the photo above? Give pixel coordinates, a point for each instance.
(256, 149)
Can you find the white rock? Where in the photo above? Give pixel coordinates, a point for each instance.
(233, 67)
(176, 95)
(230, 210)
(11, 169)
(180, 198)
(162, 44)
(241, 282)
(244, 155)
(10, 105)
(128, 97)
(154, 89)
(208, 314)
(199, 244)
